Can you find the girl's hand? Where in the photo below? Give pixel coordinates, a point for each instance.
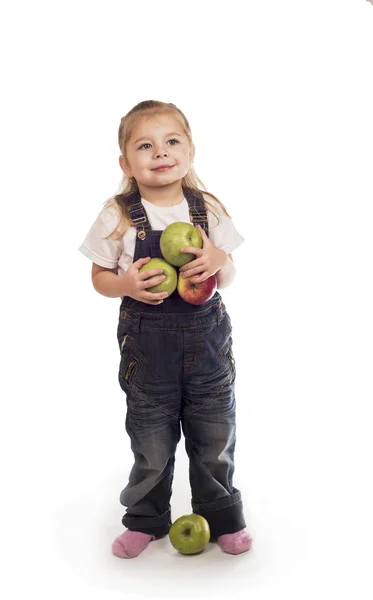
(208, 260)
(137, 283)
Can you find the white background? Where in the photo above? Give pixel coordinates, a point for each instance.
(279, 95)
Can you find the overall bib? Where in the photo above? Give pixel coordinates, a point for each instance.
(177, 370)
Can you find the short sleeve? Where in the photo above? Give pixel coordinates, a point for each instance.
(103, 252)
(222, 231)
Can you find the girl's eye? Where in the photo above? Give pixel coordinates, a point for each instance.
(147, 144)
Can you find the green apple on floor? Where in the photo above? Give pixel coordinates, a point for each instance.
(190, 534)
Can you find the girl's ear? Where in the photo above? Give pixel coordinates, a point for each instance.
(192, 153)
(125, 166)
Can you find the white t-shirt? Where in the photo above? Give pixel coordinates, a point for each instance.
(112, 253)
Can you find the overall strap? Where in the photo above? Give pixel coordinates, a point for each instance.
(137, 213)
(197, 208)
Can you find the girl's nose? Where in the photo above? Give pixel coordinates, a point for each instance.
(161, 152)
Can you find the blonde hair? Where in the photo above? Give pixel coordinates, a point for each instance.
(150, 108)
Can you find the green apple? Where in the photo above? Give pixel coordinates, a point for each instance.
(179, 235)
(190, 534)
(170, 283)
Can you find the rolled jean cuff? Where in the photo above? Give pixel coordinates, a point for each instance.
(157, 526)
(224, 515)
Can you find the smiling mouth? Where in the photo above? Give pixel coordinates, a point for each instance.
(163, 168)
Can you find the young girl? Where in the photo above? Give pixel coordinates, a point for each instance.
(176, 365)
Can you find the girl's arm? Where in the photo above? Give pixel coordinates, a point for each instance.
(209, 261)
(132, 283)
(226, 274)
(106, 281)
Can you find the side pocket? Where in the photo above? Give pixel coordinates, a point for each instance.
(232, 363)
(131, 363)
(226, 353)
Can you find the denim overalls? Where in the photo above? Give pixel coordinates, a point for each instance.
(177, 368)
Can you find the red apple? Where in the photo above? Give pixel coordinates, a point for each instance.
(196, 293)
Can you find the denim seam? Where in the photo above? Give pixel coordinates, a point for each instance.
(227, 377)
(200, 506)
(142, 397)
(187, 327)
(139, 524)
(132, 348)
(132, 352)
(136, 519)
(132, 418)
(152, 315)
(130, 519)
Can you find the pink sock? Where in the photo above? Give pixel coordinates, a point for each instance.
(131, 543)
(235, 543)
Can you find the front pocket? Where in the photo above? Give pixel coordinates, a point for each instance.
(129, 368)
(131, 363)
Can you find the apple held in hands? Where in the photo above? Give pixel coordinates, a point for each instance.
(197, 293)
(170, 283)
(179, 235)
(190, 534)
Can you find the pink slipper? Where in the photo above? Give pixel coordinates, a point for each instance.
(131, 543)
(235, 543)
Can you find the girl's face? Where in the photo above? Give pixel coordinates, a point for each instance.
(157, 142)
